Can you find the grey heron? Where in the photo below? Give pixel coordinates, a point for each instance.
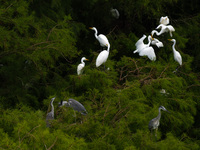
(155, 122)
(50, 115)
(77, 106)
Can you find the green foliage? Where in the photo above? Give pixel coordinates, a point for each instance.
(41, 44)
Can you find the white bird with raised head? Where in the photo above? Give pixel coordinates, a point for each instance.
(103, 56)
(101, 38)
(177, 55)
(81, 66)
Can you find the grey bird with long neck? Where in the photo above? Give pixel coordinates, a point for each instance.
(50, 115)
(155, 122)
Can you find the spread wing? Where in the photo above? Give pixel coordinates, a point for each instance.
(149, 52)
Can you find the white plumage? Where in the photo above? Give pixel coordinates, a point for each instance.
(163, 28)
(103, 56)
(177, 55)
(81, 66)
(101, 38)
(156, 42)
(164, 20)
(145, 49)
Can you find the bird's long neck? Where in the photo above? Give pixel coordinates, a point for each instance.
(159, 114)
(156, 32)
(82, 61)
(108, 48)
(149, 39)
(95, 33)
(173, 46)
(52, 107)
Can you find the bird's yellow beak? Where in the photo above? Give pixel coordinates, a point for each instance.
(90, 27)
(87, 59)
(170, 39)
(152, 37)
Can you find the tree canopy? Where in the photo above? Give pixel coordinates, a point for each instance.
(41, 45)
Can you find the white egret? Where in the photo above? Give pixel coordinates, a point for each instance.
(177, 55)
(81, 66)
(145, 49)
(156, 42)
(101, 38)
(149, 52)
(140, 44)
(115, 13)
(103, 56)
(164, 28)
(164, 20)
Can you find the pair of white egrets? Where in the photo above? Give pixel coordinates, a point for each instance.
(147, 50)
(102, 57)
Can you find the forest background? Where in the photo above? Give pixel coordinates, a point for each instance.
(41, 44)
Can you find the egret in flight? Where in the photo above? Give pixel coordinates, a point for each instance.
(163, 28)
(155, 122)
(81, 66)
(164, 20)
(145, 49)
(50, 115)
(177, 55)
(101, 38)
(103, 56)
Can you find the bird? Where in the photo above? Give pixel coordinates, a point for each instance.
(140, 44)
(77, 106)
(103, 56)
(101, 38)
(81, 66)
(177, 55)
(164, 20)
(145, 49)
(164, 28)
(156, 42)
(155, 122)
(50, 115)
(115, 13)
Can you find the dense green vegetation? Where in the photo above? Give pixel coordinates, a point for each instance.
(41, 44)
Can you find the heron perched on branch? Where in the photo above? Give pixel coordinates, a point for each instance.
(155, 122)
(77, 106)
(50, 115)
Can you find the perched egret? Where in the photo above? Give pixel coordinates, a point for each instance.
(177, 55)
(164, 20)
(164, 28)
(101, 38)
(81, 66)
(115, 13)
(145, 49)
(155, 122)
(50, 115)
(156, 42)
(103, 56)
